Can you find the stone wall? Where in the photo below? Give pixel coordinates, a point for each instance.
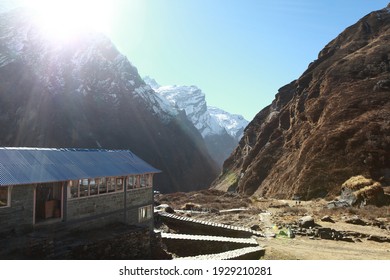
(193, 245)
(19, 216)
(185, 225)
(105, 209)
(112, 242)
(86, 212)
(134, 244)
(198, 239)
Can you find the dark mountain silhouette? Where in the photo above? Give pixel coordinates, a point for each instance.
(84, 93)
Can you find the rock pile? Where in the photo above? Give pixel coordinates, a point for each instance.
(306, 226)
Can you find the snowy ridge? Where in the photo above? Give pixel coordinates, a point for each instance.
(192, 100)
(234, 124)
(208, 120)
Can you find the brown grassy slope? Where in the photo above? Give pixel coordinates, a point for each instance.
(330, 124)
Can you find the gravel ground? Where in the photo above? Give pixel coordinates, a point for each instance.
(272, 216)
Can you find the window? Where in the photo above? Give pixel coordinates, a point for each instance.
(111, 184)
(144, 213)
(146, 180)
(143, 181)
(102, 185)
(130, 182)
(137, 181)
(74, 189)
(84, 189)
(5, 195)
(91, 187)
(119, 184)
(149, 182)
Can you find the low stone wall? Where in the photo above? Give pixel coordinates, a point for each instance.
(248, 253)
(204, 240)
(134, 244)
(116, 241)
(184, 245)
(186, 225)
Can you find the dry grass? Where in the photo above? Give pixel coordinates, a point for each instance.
(357, 182)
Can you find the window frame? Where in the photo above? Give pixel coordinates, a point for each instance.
(139, 181)
(8, 202)
(130, 182)
(107, 183)
(145, 213)
(143, 181)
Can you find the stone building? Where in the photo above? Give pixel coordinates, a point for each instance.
(73, 187)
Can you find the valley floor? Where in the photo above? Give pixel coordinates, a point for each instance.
(274, 217)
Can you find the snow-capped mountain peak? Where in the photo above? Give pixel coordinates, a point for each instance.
(208, 120)
(151, 82)
(233, 123)
(220, 129)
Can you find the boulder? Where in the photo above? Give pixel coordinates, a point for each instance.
(327, 219)
(356, 183)
(306, 222)
(378, 238)
(169, 210)
(326, 233)
(338, 204)
(356, 221)
(165, 208)
(360, 191)
(255, 227)
(191, 206)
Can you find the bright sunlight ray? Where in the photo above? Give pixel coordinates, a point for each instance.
(64, 19)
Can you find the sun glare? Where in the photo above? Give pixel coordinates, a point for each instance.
(65, 19)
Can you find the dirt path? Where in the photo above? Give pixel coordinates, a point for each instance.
(265, 218)
(303, 248)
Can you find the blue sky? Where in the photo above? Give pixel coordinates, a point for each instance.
(239, 52)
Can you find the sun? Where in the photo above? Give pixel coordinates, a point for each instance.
(65, 19)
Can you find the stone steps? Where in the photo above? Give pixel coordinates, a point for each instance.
(187, 245)
(203, 227)
(247, 241)
(208, 240)
(247, 253)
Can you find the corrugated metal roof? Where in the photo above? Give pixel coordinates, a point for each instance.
(20, 166)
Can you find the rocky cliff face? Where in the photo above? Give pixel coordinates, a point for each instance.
(86, 94)
(330, 124)
(220, 129)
